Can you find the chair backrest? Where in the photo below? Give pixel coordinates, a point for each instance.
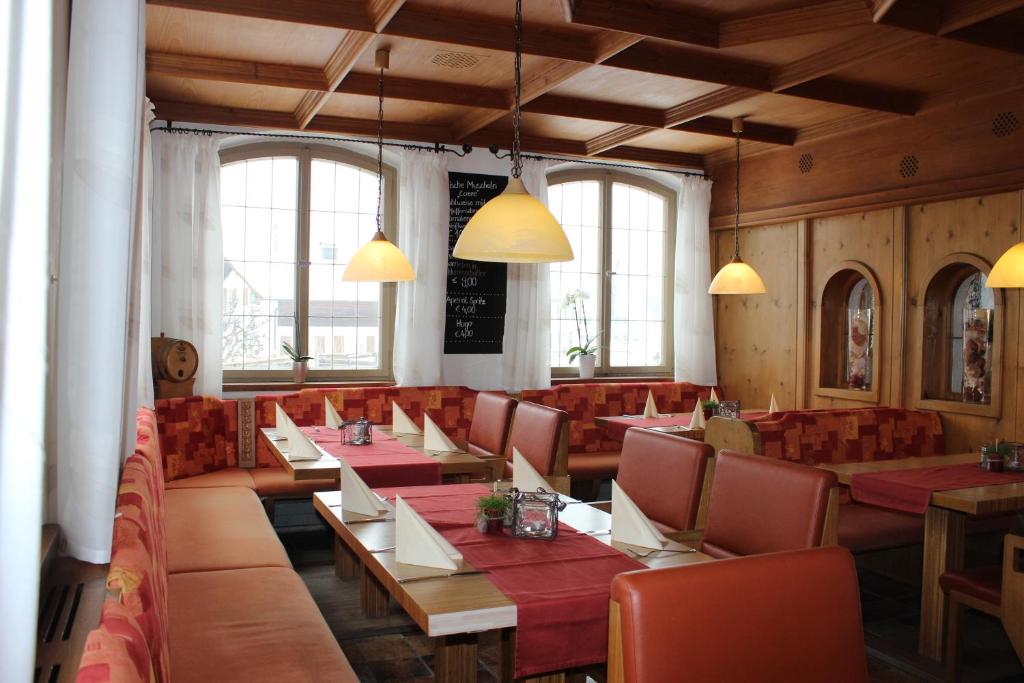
(664, 475)
(492, 417)
(732, 434)
(541, 434)
(760, 505)
(789, 617)
(1012, 610)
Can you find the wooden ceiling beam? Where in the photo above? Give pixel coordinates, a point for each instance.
(346, 14)
(963, 13)
(419, 90)
(596, 110)
(824, 16)
(659, 157)
(722, 127)
(615, 138)
(641, 19)
(705, 104)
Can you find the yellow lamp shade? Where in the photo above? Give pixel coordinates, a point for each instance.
(513, 228)
(379, 261)
(1008, 272)
(737, 278)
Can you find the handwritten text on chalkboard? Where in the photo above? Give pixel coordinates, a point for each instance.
(475, 304)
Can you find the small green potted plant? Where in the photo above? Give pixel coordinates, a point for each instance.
(491, 513)
(710, 409)
(298, 362)
(586, 349)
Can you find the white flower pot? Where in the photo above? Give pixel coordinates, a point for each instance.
(299, 372)
(587, 363)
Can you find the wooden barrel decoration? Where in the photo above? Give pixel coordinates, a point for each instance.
(175, 362)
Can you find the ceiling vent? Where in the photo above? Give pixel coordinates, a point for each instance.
(1005, 124)
(909, 165)
(455, 60)
(806, 163)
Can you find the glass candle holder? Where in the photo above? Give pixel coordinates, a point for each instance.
(535, 515)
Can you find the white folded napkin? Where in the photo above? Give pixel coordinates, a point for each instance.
(300, 447)
(773, 407)
(525, 477)
(630, 525)
(650, 408)
(401, 423)
(331, 417)
(697, 419)
(714, 397)
(418, 543)
(356, 496)
(436, 440)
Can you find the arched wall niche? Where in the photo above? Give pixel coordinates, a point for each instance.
(850, 333)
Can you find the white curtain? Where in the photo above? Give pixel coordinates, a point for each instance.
(101, 165)
(526, 362)
(26, 39)
(138, 378)
(693, 317)
(188, 249)
(423, 237)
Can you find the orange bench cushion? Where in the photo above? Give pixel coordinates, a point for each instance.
(219, 528)
(232, 476)
(250, 625)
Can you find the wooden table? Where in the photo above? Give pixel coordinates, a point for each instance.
(681, 430)
(454, 610)
(944, 531)
(460, 466)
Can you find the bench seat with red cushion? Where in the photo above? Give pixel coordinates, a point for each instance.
(592, 454)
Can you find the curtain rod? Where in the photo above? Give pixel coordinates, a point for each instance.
(437, 147)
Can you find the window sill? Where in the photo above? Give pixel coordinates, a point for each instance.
(611, 379)
(271, 386)
(990, 410)
(861, 396)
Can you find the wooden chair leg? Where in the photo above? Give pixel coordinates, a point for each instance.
(954, 621)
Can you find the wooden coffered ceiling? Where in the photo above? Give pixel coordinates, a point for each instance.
(651, 81)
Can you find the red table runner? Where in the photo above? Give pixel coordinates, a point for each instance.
(385, 462)
(911, 490)
(561, 588)
(618, 424)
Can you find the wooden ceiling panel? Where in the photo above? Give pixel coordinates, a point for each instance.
(175, 89)
(782, 110)
(405, 111)
(448, 63)
(680, 141)
(732, 9)
(539, 11)
(543, 125)
(630, 87)
(220, 35)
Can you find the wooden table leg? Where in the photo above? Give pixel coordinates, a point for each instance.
(373, 596)
(455, 658)
(346, 564)
(943, 551)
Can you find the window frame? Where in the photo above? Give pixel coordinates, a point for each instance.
(607, 178)
(304, 154)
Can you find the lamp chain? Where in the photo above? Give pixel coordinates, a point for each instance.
(517, 159)
(736, 227)
(380, 144)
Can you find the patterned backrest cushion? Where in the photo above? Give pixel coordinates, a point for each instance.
(138, 562)
(198, 434)
(451, 407)
(584, 402)
(117, 651)
(851, 435)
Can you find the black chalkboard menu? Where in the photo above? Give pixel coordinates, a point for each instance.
(475, 302)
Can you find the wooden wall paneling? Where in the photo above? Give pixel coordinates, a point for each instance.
(868, 239)
(757, 335)
(805, 236)
(1019, 431)
(983, 226)
(896, 361)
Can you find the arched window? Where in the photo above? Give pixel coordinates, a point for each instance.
(848, 332)
(621, 228)
(292, 216)
(959, 334)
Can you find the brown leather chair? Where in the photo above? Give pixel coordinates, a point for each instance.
(492, 417)
(761, 505)
(664, 475)
(997, 591)
(541, 434)
(790, 617)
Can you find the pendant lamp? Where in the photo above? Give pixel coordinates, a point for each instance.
(1008, 272)
(514, 227)
(737, 277)
(379, 260)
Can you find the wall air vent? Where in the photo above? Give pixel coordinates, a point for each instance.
(1004, 124)
(909, 165)
(806, 163)
(455, 60)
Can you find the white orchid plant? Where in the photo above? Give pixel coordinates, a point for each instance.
(576, 299)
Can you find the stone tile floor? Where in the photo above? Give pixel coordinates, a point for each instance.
(393, 650)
